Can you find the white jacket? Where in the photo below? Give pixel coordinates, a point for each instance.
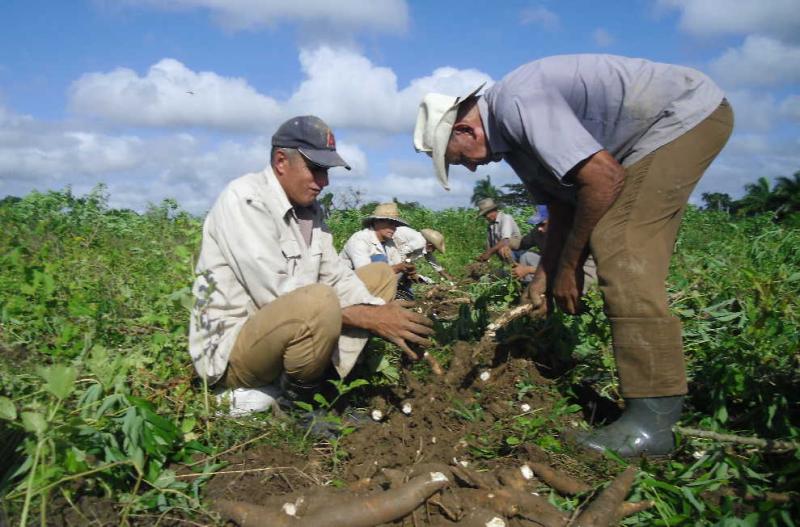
(252, 253)
(363, 246)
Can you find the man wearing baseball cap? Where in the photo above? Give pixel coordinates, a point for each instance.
(274, 303)
(614, 146)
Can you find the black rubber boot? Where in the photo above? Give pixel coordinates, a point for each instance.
(645, 428)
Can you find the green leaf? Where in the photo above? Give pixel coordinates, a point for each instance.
(34, 422)
(304, 406)
(8, 410)
(59, 379)
(513, 440)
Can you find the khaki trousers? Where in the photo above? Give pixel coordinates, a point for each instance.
(297, 332)
(632, 245)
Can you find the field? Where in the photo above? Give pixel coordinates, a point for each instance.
(103, 423)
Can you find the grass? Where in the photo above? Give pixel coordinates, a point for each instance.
(97, 396)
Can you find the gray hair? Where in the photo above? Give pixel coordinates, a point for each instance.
(288, 152)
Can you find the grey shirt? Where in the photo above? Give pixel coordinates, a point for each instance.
(549, 115)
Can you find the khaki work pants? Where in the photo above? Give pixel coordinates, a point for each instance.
(632, 245)
(297, 332)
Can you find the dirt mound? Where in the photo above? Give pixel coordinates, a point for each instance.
(458, 424)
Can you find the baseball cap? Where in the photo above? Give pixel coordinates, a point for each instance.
(539, 216)
(312, 138)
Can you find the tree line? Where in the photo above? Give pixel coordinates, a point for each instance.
(781, 198)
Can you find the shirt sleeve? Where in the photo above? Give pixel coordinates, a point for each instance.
(541, 122)
(508, 227)
(359, 250)
(336, 273)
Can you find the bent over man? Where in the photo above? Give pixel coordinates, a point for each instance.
(614, 146)
(274, 301)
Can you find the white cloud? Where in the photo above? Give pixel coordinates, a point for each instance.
(790, 107)
(540, 16)
(343, 87)
(778, 18)
(137, 170)
(355, 157)
(602, 37)
(36, 151)
(761, 61)
(172, 95)
(375, 16)
(754, 111)
(348, 90)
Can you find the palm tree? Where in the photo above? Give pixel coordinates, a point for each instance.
(484, 189)
(758, 198)
(787, 194)
(720, 201)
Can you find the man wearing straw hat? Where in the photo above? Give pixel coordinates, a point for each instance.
(414, 245)
(275, 304)
(502, 232)
(614, 146)
(375, 243)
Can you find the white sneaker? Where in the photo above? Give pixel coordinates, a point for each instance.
(244, 401)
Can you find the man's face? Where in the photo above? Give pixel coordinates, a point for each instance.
(301, 180)
(542, 227)
(467, 147)
(491, 216)
(384, 229)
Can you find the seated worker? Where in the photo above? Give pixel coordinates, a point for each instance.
(375, 243)
(533, 244)
(275, 305)
(502, 233)
(414, 245)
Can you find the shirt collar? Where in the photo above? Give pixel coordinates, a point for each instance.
(284, 205)
(497, 144)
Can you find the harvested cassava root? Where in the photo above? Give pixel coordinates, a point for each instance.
(360, 511)
(603, 510)
(473, 498)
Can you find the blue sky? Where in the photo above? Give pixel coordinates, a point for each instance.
(95, 91)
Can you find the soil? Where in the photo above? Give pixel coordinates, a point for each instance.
(459, 419)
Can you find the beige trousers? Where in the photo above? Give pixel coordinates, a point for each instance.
(297, 332)
(632, 245)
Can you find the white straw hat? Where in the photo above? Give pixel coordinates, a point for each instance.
(435, 119)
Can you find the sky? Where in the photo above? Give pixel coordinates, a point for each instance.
(174, 98)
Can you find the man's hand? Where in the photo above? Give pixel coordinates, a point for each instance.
(521, 271)
(536, 294)
(505, 253)
(566, 292)
(400, 326)
(406, 268)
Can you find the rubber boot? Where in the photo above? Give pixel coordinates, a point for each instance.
(645, 428)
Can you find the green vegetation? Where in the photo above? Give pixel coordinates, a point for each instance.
(97, 396)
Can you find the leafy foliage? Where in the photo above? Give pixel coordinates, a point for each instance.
(96, 394)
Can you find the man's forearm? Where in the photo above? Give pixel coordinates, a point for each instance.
(357, 316)
(599, 183)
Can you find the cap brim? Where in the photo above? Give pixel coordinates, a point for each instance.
(324, 158)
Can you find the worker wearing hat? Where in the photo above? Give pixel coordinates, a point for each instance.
(502, 232)
(275, 306)
(614, 146)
